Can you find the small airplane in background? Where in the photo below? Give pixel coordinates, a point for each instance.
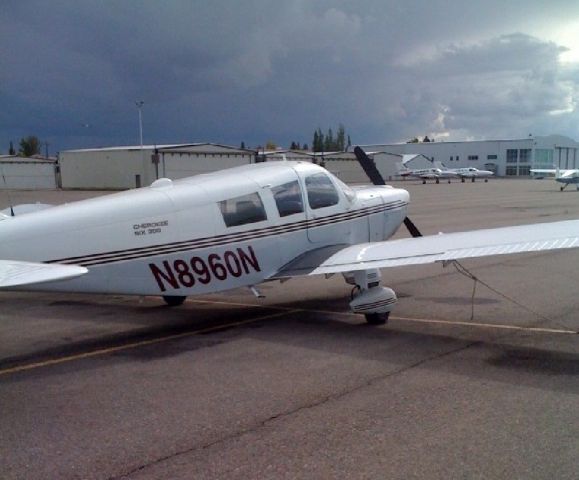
(466, 172)
(425, 174)
(239, 228)
(566, 177)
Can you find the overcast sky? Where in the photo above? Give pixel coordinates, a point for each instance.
(228, 71)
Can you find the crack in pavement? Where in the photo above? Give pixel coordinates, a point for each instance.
(259, 425)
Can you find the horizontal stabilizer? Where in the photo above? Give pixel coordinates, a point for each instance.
(16, 274)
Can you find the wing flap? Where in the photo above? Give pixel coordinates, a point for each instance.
(16, 274)
(452, 246)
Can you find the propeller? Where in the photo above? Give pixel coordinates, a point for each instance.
(376, 178)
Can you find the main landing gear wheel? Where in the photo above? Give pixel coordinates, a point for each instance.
(437, 180)
(377, 318)
(174, 300)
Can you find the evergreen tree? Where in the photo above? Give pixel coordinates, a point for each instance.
(11, 150)
(329, 143)
(349, 142)
(341, 139)
(243, 145)
(426, 139)
(29, 146)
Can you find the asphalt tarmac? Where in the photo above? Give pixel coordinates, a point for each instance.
(294, 386)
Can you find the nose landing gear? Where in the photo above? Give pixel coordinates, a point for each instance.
(369, 298)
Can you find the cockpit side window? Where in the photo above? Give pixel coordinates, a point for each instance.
(321, 191)
(288, 198)
(242, 210)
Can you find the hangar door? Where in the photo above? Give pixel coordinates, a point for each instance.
(22, 174)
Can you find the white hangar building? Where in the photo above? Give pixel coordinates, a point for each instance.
(505, 157)
(130, 167)
(28, 173)
(345, 166)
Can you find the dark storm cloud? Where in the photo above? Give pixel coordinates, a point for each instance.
(230, 71)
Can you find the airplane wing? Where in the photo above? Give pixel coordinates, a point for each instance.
(553, 171)
(16, 274)
(437, 248)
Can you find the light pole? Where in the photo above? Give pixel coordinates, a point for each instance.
(139, 105)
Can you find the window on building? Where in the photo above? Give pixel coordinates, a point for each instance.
(288, 198)
(512, 155)
(321, 191)
(473, 157)
(544, 157)
(242, 210)
(491, 157)
(525, 170)
(511, 171)
(451, 159)
(525, 155)
(457, 158)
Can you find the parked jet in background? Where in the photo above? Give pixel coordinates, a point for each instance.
(566, 177)
(466, 172)
(425, 173)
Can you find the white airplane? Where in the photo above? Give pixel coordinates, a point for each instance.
(238, 228)
(566, 177)
(425, 174)
(466, 172)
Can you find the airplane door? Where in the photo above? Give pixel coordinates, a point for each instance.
(325, 211)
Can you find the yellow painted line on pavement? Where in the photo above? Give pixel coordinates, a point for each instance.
(142, 343)
(396, 318)
(401, 319)
(485, 325)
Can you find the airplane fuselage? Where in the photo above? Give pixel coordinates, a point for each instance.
(202, 234)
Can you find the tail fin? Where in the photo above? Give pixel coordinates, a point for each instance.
(439, 164)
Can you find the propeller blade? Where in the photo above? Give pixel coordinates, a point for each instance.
(369, 167)
(376, 178)
(412, 228)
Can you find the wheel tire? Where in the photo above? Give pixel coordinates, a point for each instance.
(437, 180)
(486, 180)
(423, 182)
(377, 318)
(174, 300)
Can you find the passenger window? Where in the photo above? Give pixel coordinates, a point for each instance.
(288, 198)
(321, 191)
(242, 210)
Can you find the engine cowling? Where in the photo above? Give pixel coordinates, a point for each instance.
(374, 300)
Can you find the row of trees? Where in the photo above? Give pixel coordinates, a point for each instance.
(417, 140)
(321, 143)
(29, 146)
(329, 142)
